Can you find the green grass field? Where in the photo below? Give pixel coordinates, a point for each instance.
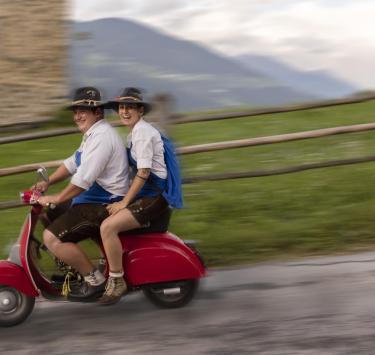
(239, 221)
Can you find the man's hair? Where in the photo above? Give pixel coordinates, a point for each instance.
(100, 109)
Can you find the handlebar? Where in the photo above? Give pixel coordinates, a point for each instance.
(31, 197)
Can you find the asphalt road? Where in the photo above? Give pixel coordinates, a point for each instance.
(315, 306)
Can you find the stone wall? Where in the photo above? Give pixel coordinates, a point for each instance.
(33, 59)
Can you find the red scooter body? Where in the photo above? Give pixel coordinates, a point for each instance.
(15, 272)
(159, 257)
(161, 264)
(16, 277)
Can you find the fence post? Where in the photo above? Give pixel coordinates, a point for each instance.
(162, 111)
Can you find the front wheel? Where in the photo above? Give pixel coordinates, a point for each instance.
(15, 306)
(171, 294)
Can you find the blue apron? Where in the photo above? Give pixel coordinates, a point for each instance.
(95, 194)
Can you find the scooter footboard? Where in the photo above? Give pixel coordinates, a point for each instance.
(14, 276)
(160, 258)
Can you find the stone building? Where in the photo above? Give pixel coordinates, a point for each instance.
(33, 59)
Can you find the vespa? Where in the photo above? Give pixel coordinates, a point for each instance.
(160, 264)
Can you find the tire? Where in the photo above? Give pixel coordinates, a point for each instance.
(15, 306)
(159, 294)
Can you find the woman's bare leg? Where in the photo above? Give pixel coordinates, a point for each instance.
(109, 230)
(116, 286)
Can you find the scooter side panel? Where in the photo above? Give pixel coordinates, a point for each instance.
(14, 276)
(158, 258)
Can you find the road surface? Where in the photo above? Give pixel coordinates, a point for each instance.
(311, 306)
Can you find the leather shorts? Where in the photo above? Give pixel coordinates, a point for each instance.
(78, 222)
(146, 209)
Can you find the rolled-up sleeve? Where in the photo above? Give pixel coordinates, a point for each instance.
(143, 149)
(95, 156)
(70, 164)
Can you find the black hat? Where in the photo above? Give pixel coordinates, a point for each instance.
(129, 95)
(88, 97)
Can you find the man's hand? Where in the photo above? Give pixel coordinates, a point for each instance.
(59, 175)
(115, 207)
(41, 186)
(47, 201)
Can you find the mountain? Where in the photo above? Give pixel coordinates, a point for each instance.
(114, 53)
(317, 83)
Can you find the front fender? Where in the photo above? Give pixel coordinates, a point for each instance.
(14, 276)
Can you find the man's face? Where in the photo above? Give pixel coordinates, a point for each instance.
(84, 118)
(130, 114)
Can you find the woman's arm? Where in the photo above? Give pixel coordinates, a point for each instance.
(136, 186)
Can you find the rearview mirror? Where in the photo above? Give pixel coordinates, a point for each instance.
(43, 174)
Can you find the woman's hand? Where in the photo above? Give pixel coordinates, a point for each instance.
(113, 208)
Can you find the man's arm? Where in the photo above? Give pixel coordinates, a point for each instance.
(68, 193)
(60, 174)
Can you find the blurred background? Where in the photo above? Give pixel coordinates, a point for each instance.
(209, 54)
(214, 54)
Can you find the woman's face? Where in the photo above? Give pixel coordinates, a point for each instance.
(130, 114)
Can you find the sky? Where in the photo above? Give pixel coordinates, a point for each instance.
(333, 35)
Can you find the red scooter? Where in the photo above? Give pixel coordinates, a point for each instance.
(163, 266)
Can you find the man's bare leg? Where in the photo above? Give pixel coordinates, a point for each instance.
(70, 253)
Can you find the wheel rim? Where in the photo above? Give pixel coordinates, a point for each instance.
(9, 300)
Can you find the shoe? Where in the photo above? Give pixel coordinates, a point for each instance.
(115, 288)
(86, 292)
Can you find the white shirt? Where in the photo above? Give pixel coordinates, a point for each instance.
(147, 148)
(103, 160)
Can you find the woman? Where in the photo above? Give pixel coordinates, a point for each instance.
(154, 188)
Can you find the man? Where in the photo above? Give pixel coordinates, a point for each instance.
(99, 176)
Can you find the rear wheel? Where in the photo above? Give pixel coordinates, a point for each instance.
(15, 306)
(171, 294)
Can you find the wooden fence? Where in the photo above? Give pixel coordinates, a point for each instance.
(180, 119)
(223, 145)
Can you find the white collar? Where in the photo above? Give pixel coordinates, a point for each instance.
(93, 128)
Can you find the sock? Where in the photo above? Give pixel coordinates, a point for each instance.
(95, 278)
(116, 274)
